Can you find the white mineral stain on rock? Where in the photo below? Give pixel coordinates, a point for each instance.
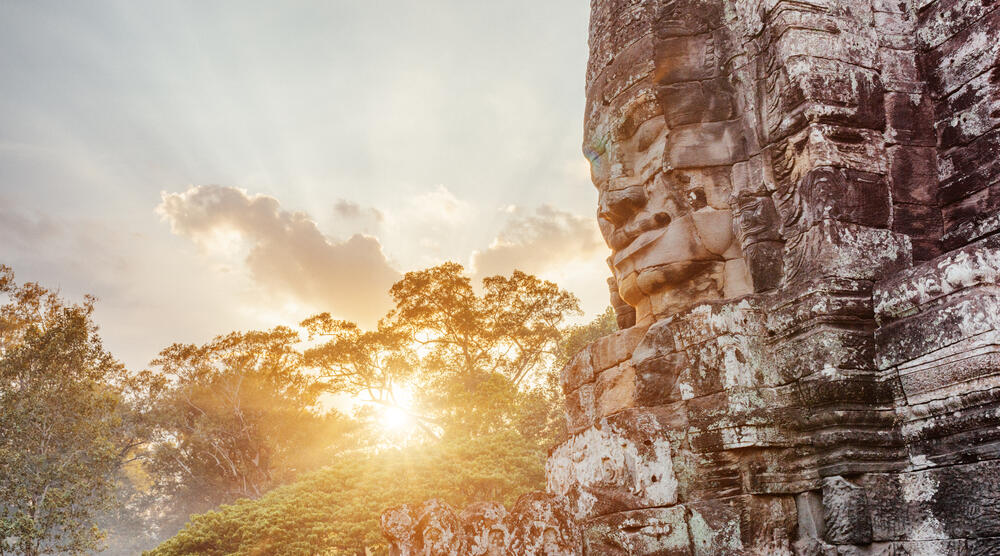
(609, 456)
(918, 489)
(687, 392)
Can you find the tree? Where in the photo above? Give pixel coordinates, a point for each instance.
(475, 361)
(510, 329)
(239, 416)
(70, 421)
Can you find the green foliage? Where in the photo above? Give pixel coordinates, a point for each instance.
(335, 511)
(577, 337)
(68, 422)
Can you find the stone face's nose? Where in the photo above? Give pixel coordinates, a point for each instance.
(618, 206)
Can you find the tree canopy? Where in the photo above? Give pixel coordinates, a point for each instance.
(70, 422)
(476, 362)
(237, 417)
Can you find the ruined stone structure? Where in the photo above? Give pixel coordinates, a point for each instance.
(802, 198)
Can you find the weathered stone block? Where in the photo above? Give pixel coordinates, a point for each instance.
(628, 70)
(848, 196)
(742, 525)
(969, 169)
(951, 371)
(694, 102)
(711, 320)
(844, 348)
(969, 113)
(961, 499)
(705, 144)
(615, 389)
(914, 174)
(962, 57)
(653, 532)
(543, 525)
(845, 512)
(910, 119)
(579, 371)
(612, 349)
(908, 291)
(489, 528)
(686, 58)
(656, 379)
(580, 408)
(848, 251)
(613, 27)
(923, 333)
(940, 20)
(917, 221)
(622, 463)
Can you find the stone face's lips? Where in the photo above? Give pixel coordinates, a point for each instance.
(637, 244)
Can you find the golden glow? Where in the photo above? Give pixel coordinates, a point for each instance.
(394, 418)
(398, 417)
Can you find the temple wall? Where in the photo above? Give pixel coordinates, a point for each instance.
(959, 54)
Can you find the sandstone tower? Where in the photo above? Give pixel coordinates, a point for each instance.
(802, 199)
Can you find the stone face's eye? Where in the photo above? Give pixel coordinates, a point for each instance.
(646, 136)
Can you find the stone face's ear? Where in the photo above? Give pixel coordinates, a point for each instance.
(758, 228)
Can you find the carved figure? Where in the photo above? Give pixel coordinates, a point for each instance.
(439, 532)
(399, 527)
(488, 528)
(659, 147)
(544, 526)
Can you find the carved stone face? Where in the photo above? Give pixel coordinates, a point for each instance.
(670, 230)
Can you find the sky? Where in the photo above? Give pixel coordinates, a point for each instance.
(209, 166)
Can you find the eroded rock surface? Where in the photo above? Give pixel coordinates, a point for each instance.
(802, 202)
(539, 524)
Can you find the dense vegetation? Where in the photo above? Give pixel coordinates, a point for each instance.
(454, 395)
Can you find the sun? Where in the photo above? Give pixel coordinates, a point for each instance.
(394, 418)
(398, 417)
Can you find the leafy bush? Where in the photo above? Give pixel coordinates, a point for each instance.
(335, 510)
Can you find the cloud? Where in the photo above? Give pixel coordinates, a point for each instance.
(350, 210)
(287, 253)
(440, 207)
(541, 242)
